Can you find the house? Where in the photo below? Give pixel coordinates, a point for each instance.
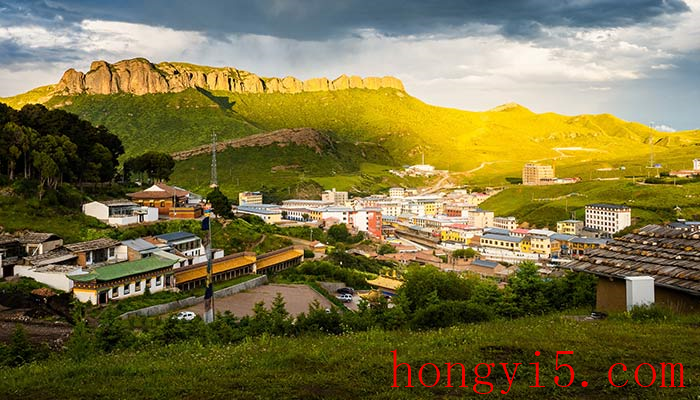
(122, 280)
(55, 275)
(610, 218)
(486, 268)
(503, 242)
(368, 220)
(667, 254)
(570, 227)
(120, 212)
(250, 198)
(169, 200)
(36, 243)
(396, 192)
(481, 218)
(386, 285)
(10, 253)
(186, 244)
(98, 251)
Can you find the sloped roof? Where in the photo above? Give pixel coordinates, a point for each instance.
(485, 263)
(176, 236)
(96, 244)
(52, 257)
(159, 191)
(671, 256)
(37, 237)
(123, 270)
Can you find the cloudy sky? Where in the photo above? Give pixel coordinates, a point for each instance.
(637, 59)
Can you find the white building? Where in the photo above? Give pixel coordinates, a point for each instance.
(250, 198)
(120, 212)
(508, 223)
(340, 214)
(609, 218)
(397, 192)
(389, 208)
(56, 276)
(481, 218)
(696, 164)
(337, 198)
(270, 213)
(297, 203)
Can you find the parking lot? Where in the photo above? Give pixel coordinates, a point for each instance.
(297, 299)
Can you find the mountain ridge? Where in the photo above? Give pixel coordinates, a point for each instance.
(139, 76)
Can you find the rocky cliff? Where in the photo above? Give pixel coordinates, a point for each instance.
(139, 76)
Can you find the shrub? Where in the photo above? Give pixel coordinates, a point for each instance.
(649, 313)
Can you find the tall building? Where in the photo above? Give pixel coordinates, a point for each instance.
(609, 218)
(481, 218)
(250, 198)
(570, 227)
(535, 174)
(337, 198)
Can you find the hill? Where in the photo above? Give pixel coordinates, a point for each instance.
(360, 365)
(156, 108)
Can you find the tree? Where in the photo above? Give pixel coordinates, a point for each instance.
(220, 203)
(338, 233)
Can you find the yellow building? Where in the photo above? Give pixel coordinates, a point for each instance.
(534, 174)
(570, 227)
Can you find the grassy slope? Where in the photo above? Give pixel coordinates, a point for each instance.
(650, 203)
(360, 365)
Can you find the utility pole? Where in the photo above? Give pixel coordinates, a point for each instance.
(209, 291)
(214, 178)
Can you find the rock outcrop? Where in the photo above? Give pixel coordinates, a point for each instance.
(139, 76)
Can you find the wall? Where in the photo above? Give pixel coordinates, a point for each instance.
(56, 280)
(190, 301)
(97, 210)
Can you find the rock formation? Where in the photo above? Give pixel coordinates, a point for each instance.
(139, 76)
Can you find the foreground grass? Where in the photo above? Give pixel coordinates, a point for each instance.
(360, 365)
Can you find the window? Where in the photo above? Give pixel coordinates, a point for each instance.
(162, 204)
(159, 280)
(115, 292)
(110, 252)
(151, 203)
(137, 286)
(126, 289)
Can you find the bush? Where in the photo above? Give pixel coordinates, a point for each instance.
(650, 313)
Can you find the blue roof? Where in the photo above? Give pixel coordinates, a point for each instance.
(175, 236)
(563, 237)
(485, 263)
(497, 231)
(504, 238)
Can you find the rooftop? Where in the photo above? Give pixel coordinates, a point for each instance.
(485, 263)
(177, 236)
(123, 270)
(503, 238)
(119, 203)
(37, 237)
(140, 245)
(609, 206)
(102, 243)
(159, 191)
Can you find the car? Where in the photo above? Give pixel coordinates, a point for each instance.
(345, 297)
(346, 290)
(186, 316)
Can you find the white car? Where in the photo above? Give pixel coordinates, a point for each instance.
(186, 316)
(345, 297)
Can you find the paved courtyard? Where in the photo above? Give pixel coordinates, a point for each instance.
(297, 299)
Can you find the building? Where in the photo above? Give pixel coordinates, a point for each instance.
(535, 174)
(396, 192)
(169, 200)
(570, 227)
(186, 244)
(250, 198)
(696, 164)
(297, 203)
(459, 233)
(270, 213)
(502, 242)
(55, 275)
(609, 218)
(668, 254)
(481, 218)
(385, 285)
(459, 210)
(368, 220)
(508, 223)
(389, 208)
(120, 212)
(486, 268)
(98, 251)
(337, 198)
(422, 205)
(36, 243)
(123, 280)
(10, 253)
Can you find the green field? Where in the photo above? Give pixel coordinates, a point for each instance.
(360, 365)
(649, 203)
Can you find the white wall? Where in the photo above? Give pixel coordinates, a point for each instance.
(56, 280)
(97, 210)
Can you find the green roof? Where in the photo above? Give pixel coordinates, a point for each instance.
(123, 270)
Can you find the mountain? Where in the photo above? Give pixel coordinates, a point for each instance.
(139, 76)
(175, 107)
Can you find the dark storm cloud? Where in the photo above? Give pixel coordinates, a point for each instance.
(319, 20)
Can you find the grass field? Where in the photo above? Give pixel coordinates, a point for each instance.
(361, 365)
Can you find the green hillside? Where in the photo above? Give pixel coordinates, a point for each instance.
(545, 205)
(360, 365)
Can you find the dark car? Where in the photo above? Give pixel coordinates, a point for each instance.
(346, 290)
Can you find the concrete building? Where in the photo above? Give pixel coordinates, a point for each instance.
(535, 174)
(508, 223)
(570, 227)
(609, 218)
(185, 243)
(164, 198)
(335, 197)
(389, 208)
(297, 203)
(98, 251)
(250, 198)
(36, 243)
(481, 218)
(368, 220)
(120, 212)
(397, 192)
(270, 213)
(696, 164)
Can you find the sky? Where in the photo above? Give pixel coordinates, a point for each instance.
(636, 59)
